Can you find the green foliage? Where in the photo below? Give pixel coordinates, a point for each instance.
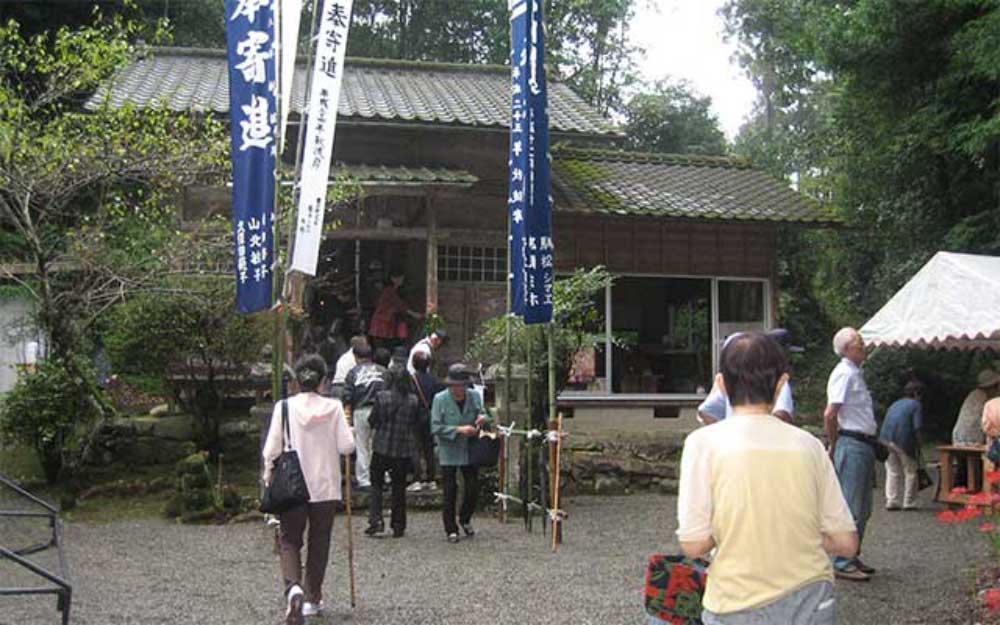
(194, 332)
(94, 189)
(587, 39)
(888, 112)
(576, 321)
(49, 410)
(672, 118)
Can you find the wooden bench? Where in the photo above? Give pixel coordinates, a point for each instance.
(974, 457)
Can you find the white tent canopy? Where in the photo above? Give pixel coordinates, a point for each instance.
(952, 303)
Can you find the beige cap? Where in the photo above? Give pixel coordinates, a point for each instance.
(987, 378)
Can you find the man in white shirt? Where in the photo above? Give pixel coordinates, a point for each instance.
(717, 407)
(345, 363)
(426, 346)
(849, 420)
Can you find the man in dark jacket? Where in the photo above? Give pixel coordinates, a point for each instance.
(392, 420)
(427, 387)
(363, 382)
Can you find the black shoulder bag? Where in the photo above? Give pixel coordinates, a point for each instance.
(288, 487)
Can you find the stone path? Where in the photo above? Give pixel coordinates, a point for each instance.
(158, 573)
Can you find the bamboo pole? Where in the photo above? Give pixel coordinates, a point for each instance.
(557, 516)
(289, 295)
(505, 418)
(528, 456)
(277, 270)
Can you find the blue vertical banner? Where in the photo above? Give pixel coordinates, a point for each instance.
(529, 203)
(250, 32)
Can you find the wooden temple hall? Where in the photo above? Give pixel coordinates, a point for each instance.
(692, 240)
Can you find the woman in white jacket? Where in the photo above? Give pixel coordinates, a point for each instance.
(320, 434)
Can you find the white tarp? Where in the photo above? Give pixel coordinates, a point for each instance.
(953, 302)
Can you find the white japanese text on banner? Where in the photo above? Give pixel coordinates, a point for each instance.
(530, 206)
(324, 96)
(252, 87)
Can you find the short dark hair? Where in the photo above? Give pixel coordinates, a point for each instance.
(914, 389)
(359, 340)
(752, 364)
(382, 356)
(421, 361)
(310, 371)
(362, 352)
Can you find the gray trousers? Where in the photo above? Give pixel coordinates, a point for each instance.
(810, 605)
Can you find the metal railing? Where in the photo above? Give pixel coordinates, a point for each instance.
(52, 583)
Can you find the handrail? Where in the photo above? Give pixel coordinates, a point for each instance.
(61, 587)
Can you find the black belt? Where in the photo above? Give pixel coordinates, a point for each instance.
(861, 436)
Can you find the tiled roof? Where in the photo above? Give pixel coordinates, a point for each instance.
(187, 79)
(664, 185)
(383, 174)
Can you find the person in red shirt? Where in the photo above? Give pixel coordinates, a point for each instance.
(387, 330)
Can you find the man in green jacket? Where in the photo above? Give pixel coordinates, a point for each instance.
(456, 415)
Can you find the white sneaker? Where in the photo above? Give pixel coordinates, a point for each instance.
(312, 609)
(415, 487)
(293, 614)
(430, 485)
(271, 521)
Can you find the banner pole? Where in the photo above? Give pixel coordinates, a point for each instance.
(299, 144)
(277, 271)
(505, 419)
(529, 456)
(552, 419)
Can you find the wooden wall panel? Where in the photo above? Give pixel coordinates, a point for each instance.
(676, 242)
(648, 248)
(705, 250)
(619, 246)
(590, 243)
(657, 246)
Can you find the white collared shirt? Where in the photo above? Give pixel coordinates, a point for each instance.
(423, 345)
(717, 405)
(345, 363)
(847, 388)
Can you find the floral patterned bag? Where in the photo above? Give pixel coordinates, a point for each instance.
(674, 587)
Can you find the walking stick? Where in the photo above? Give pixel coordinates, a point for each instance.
(350, 532)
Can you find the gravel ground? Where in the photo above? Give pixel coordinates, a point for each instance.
(154, 572)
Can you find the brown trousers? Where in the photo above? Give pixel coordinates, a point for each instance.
(318, 517)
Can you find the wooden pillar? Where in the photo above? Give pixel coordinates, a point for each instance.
(432, 257)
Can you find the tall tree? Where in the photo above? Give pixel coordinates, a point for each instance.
(90, 187)
(888, 110)
(672, 117)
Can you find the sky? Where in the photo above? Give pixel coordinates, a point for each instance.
(683, 39)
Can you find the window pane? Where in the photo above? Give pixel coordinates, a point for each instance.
(741, 301)
(663, 327)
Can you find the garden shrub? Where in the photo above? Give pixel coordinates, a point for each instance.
(52, 410)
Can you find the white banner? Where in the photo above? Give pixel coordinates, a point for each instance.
(291, 13)
(324, 95)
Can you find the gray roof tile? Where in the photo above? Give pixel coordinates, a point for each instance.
(664, 185)
(187, 79)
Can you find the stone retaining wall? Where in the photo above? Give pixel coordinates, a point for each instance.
(619, 465)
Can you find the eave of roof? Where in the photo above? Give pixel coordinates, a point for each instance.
(374, 90)
(679, 186)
